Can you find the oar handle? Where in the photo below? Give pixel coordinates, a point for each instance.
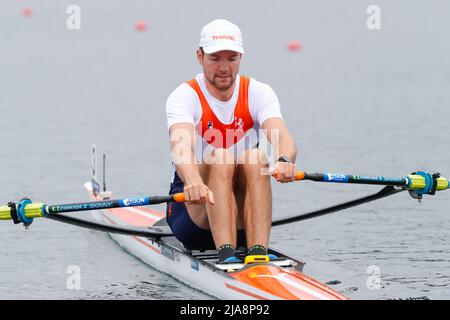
(300, 175)
(178, 197)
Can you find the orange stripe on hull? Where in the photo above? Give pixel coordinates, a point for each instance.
(250, 294)
(133, 218)
(135, 237)
(289, 285)
(151, 212)
(110, 220)
(146, 218)
(316, 284)
(146, 244)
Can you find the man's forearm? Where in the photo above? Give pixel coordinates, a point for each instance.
(281, 140)
(189, 173)
(287, 147)
(183, 153)
(187, 168)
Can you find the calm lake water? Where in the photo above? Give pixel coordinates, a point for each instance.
(355, 100)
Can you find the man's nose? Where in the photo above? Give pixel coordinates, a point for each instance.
(223, 65)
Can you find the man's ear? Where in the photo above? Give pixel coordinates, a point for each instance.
(200, 56)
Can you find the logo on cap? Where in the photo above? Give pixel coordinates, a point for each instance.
(223, 38)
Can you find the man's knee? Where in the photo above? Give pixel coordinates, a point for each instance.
(221, 165)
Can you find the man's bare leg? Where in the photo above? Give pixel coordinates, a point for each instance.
(257, 211)
(245, 201)
(221, 218)
(223, 215)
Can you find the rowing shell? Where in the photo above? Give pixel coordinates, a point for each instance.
(280, 279)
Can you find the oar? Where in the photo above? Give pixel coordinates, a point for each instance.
(25, 211)
(418, 183)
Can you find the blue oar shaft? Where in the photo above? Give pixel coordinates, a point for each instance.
(36, 210)
(420, 182)
(358, 179)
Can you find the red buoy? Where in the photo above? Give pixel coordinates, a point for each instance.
(27, 12)
(141, 26)
(294, 45)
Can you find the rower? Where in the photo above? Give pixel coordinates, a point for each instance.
(216, 121)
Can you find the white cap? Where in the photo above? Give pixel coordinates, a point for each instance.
(219, 35)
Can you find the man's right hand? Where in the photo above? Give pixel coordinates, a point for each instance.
(198, 193)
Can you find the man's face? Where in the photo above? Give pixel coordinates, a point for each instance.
(220, 68)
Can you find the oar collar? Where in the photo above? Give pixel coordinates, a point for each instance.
(430, 187)
(18, 212)
(13, 212)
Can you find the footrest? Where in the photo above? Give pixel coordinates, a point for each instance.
(256, 259)
(236, 266)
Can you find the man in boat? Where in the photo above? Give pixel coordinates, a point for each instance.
(216, 121)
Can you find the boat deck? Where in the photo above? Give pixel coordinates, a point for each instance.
(209, 255)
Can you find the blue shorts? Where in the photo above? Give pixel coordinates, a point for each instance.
(185, 230)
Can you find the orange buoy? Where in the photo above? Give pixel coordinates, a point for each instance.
(141, 26)
(27, 12)
(294, 45)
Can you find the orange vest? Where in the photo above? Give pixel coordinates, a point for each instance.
(215, 132)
